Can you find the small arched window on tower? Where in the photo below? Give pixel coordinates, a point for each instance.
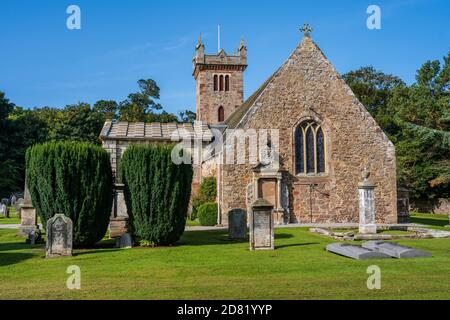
(309, 149)
(227, 83)
(221, 114)
(221, 83)
(216, 84)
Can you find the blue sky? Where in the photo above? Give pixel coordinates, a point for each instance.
(42, 63)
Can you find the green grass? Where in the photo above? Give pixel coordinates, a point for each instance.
(192, 223)
(205, 265)
(436, 221)
(13, 218)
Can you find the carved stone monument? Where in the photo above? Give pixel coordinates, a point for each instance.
(366, 205)
(261, 226)
(125, 241)
(28, 216)
(59, 236)
(237, 224)
(4, 211)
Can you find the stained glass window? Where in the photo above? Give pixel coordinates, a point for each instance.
(309, 149)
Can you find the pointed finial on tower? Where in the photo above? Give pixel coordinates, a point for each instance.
(306, 29)
(242, 44)
(200, 39)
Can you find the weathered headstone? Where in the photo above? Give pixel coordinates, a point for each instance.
(3, 209)
(34, 237)
(261, 226)
(5, 201)
(13, 200)
(366, 205)
(355, 252)
(395, 250)
(28, 215)
(59, 236)
(125, 241)
(237, 224)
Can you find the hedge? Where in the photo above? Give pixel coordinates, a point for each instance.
(207, 214)
(157, 193)
(207, 193)
(75, 179)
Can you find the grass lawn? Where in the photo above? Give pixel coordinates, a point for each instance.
(205, 265)
(13, 218)
(435, 221)
(192, 223)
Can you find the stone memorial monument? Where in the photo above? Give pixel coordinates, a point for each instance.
(237, 224)
(366, 205)
(261, 226)
(28, 216)
(125, 241)
(59, 236)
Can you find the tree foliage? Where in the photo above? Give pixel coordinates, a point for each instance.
(157, 193)
(206, 193)
(207, 214)
(417, 119)
(74, 179)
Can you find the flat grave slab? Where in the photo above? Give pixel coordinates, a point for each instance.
(395, 250)
(355, 252)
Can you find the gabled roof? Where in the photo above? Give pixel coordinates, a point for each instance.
(238, 115)
(154, 131)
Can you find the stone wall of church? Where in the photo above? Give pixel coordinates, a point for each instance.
(209, 101)
(308, 88)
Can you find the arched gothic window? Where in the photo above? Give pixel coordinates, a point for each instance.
(216, 84)
(221, 114)
(309, 148)
(227, 83)
(221, 83)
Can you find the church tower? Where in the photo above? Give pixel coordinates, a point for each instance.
(219, 83)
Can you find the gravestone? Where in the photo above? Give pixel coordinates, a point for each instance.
(366, 205)
(261, 226)
(125, 241)
(13, 200)
(28, 215)
(118, 227)
(59, 236)
(3, 209)
(237, 224)
(395, 250)
(5, 201)
(355, 252)
(34, 237)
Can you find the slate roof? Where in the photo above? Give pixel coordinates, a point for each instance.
(154, 131)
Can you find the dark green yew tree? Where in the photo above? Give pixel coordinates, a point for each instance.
(75, 179)
(157, 193)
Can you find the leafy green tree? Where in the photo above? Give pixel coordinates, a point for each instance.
(142, 107)
(78, 122)
(109, 108)
(187, 116)
(206, 193)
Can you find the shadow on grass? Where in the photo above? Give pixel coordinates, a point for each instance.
(13, 258)
(430, 221)
(297, 245)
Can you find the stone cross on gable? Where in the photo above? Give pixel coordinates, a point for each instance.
(306, 29)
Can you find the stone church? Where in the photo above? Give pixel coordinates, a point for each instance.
(326, 138)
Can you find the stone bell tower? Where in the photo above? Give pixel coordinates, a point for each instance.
(219, 81)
